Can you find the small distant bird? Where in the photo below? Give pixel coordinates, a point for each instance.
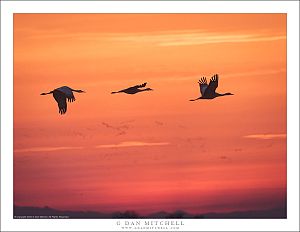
(134, 89)
(61, 95)
(209, 91)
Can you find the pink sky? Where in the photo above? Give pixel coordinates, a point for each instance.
(154, 150)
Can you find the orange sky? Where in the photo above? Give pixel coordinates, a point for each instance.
(154, 150)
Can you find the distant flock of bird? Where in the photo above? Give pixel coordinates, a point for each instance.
(65, 93)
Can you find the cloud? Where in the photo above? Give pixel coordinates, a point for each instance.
(266, 136)
(131, 144)
(39, 149)
(186, 38)
(257, 73)
(160, 38)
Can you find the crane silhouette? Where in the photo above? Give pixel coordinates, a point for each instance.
(134, 89)
(209, 91)
(62, 95)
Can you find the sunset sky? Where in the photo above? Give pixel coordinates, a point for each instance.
(153, 151)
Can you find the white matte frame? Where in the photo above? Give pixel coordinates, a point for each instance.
(8, 8)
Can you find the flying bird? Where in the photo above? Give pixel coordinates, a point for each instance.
(62, 95)
(134, 89)
(209, 91)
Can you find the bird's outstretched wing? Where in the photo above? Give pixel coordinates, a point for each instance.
(60, 98)
(67, 92)
(132, 89)
(139, 86)
(211, 88)
(202, 85)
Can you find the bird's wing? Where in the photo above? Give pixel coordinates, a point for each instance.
(139, 86)
(60, 98)
(202, 85)
(67, 92)
(213, 84)
(133, 88)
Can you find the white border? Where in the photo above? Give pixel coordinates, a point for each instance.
(10, 7)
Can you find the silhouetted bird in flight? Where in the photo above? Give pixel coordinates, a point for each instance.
(61, 95)
(134, 89)
(209, 91)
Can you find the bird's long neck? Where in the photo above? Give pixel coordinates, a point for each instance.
(147, 89)
(223, 94)
(77, 90)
